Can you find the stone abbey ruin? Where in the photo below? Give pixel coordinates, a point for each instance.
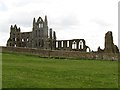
(44, 38)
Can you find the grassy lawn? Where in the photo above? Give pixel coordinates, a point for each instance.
(22, 71)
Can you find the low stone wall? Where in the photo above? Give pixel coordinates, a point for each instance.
(62, 54)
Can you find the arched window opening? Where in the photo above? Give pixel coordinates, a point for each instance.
(41, 25)
(88, 50)
(56, 44)
(74, 45)
(22, 40)
(27, 39)
(15, 39)
(40, 20)
(15, 45)
(67, 43)
(81, 44)
(61, 43)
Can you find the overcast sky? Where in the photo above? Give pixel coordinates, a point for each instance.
(71, 19)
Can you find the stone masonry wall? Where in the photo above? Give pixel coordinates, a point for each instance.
(62, 54)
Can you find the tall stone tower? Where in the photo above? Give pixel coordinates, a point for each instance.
(40, 33)
(14, 39)
(109, 42)
(37, 38)
(109, 45)
(52, 39)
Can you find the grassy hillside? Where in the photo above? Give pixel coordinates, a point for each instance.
(21, 71)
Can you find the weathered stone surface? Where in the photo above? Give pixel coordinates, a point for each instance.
(109, 44)
(37, 38)
(73, 45)
(63, 53)
(100, 50)
(41, 39)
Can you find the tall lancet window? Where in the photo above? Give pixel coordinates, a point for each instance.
(41, 25)
(74, 45)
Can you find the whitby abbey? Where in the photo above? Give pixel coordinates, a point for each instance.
(41, 39)
(44, 38)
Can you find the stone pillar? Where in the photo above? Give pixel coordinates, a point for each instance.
(77, 47)
(65, 44)
(54, 40)
(51, 41)
(70, 44)
(50, 33)
(59, 44)
(109, 45)
(84, 46)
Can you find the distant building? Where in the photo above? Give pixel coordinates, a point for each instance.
(41, 37)
(38, 38)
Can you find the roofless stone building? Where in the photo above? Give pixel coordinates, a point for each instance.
(37, 38)
(43, 37)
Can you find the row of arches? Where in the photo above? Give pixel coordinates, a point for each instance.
(75, 44)
(80, 46)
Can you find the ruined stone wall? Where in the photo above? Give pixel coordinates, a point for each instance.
(109, 44)
(62, 54)
(37, 38)
(72, 45)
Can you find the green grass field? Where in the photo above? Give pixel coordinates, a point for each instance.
(23, 71)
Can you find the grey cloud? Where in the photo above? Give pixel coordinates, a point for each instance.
(23, 18)
(69, 21)
(65, 22)
(4, 27)
(22, 21)
(4, 38)
(101, 22)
